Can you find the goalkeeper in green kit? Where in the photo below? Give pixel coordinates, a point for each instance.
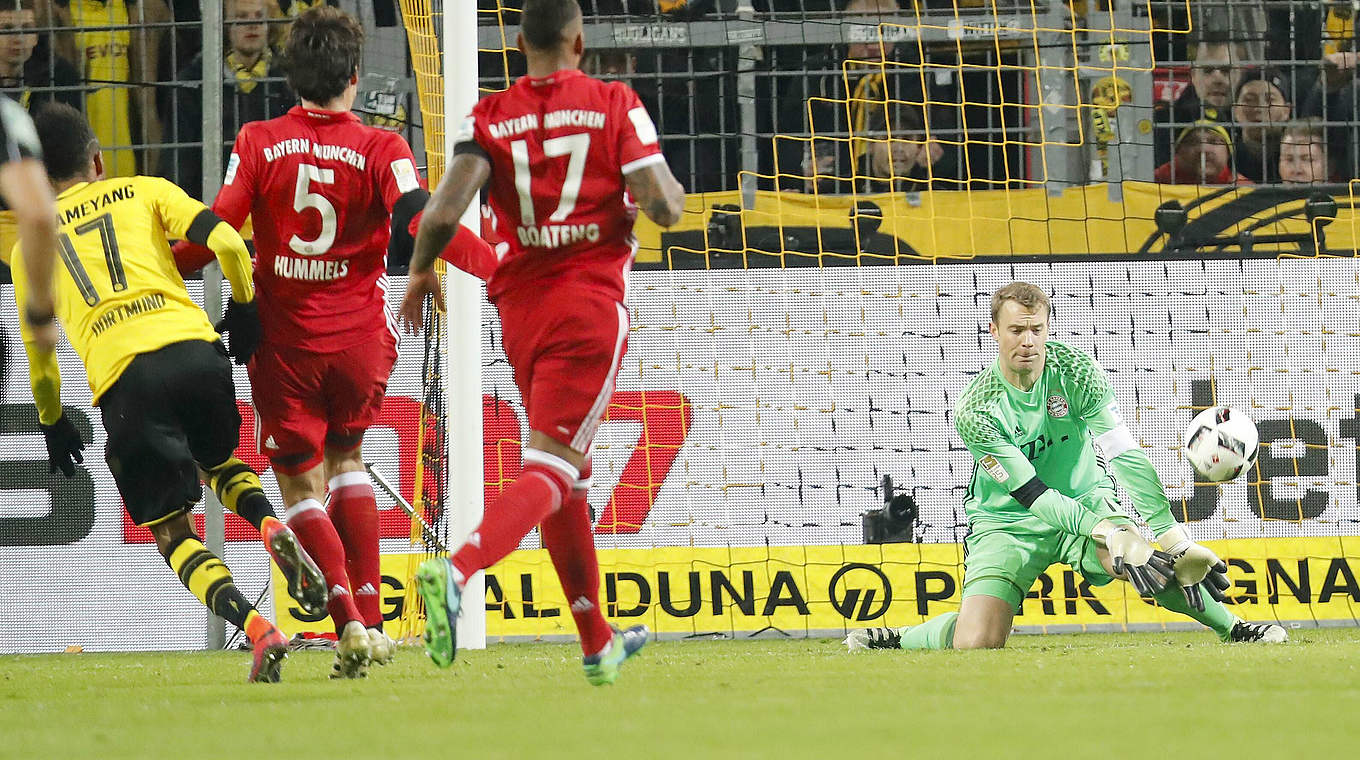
(1048, 445)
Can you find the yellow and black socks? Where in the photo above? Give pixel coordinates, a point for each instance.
(209, 579)
(238, 488)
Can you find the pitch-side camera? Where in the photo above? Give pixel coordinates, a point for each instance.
(896, 522)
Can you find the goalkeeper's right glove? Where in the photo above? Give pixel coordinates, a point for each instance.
(1195, 567)
(1132, 556)
(63, 446)
(242, 321)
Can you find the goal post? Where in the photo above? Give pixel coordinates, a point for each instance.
(463, 294)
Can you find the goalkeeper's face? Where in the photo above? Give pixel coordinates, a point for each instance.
(1020, 334)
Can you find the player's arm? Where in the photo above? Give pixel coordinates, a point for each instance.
(24, 185)
(182, 216)
(63, 441)
(1005, 463)
(657, 192)
(232, 204)
(1195, 567)
(650, 183)
(468, 171)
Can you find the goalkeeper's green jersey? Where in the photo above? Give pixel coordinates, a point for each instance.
(1052, 432)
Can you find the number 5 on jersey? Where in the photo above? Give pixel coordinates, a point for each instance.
(303, 199)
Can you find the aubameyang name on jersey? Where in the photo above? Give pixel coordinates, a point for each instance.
(557, 235)
(314, 270)
(566, 117)
(87, 207)
(119, 313)
(321, 152)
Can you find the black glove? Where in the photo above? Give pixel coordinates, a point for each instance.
(242, 321)
(63, 446)
(1150, 578)
(1216, 583)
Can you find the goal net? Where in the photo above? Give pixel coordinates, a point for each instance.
(780, 454)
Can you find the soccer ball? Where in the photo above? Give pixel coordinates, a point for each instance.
(1221, 443)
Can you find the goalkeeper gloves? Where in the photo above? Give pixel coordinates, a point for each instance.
(1132, 556)
(242, 320)
(63, 446)
(1197, 569)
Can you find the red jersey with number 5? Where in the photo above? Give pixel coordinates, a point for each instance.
(319, 187)
(559, 149)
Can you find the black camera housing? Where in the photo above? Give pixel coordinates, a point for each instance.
(896, 522)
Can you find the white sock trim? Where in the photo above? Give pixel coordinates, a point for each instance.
(345, 479)
(303, 506)
(552, 462)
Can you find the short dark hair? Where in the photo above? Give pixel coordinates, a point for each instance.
(68, 141)
(543, 21)
(322, 52)
(1029, 296)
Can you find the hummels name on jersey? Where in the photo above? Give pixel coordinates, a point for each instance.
(314, 270)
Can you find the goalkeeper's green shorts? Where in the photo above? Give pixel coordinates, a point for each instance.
(1004, 558)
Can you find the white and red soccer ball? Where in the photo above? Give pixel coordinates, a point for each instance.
(1221, 443)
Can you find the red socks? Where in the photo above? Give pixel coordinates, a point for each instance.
(308, 520)
(539, 491)
(354, 512)
(570, 542)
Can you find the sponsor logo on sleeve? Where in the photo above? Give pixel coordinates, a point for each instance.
(232, 164)
(1057, 407)
(404, 171)
(994, 468)
(643, 126)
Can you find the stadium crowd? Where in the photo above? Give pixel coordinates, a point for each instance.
(1264, 93)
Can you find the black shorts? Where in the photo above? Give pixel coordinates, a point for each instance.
(169, 412)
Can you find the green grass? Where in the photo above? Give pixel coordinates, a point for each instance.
(1146, 695)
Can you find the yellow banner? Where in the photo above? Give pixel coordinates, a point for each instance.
(799, 589)
(966, 223)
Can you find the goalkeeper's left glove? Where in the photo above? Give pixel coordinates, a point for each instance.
(1197, 568)
(242, 321)
(1133, 557)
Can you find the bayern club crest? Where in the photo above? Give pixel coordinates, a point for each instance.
(1057, 406)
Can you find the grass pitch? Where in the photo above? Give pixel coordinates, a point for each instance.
(1095, 695)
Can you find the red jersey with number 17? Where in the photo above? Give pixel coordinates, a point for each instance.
(319, 187)
(559, 148)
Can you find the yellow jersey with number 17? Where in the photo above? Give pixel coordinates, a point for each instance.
(117, 290)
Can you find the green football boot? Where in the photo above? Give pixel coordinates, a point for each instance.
(603, 668)
(442, 598)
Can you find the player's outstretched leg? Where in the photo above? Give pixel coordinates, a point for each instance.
(209, 579)
(570, 541)
(603, 668)
(441, 587)
(1229, 627)
(238, 488)
(540, 490)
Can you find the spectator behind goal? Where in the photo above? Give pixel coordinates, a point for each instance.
(1303, 155)
(1203, 157)
(1260, 108)
(28, 78)
(1214, 77)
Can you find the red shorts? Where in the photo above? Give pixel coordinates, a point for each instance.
(304, 400)
(565, 346)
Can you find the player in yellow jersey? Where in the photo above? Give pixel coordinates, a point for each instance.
(159, 374)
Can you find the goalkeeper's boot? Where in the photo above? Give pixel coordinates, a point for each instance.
(603, 668)
(352, 652)
(271, 647)
(874, 638)
(381, 646)
(1263, 633)
(434, 580)
(305, 582)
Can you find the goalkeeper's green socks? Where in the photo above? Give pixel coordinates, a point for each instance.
(1215, 615)
(935, 633)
